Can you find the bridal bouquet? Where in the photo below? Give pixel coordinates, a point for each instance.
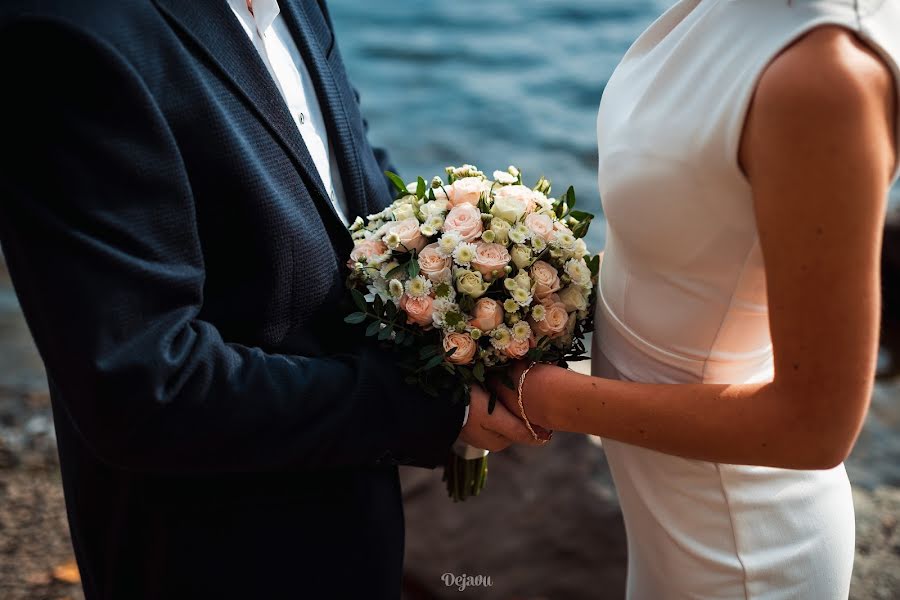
(466, 276)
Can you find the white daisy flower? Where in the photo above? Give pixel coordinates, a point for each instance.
(392, 240)
(521, 297)
(501, 337)
(448, 243)
(436, 222)
(539, 312)
(510, 305)
(440, 308)
(521, 331)
(519, 234)
(395, 288)
(418, 287)
(464, 254)
(565, 240)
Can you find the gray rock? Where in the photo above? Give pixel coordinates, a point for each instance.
(876, 573)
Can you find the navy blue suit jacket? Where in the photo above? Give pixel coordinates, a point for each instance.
(222, 434)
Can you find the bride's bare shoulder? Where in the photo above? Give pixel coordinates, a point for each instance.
(827, 80)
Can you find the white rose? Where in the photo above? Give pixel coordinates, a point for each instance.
(520, 193)
(573, 298)
(471, 283)
(435, 208)
(578, 271)
(508, 209)
(501, 231)
(404, 212)
(521, 256)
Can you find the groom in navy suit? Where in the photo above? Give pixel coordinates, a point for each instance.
(172, 205)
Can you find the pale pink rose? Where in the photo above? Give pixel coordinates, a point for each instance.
(518, 348)
(418, 310)
(465, 191)
(410, 236)
(432, 265)
(491, 258)
(522, 194)
(488, 315)
(550, 300)
(465, 220)
(465, 348)
(541, 225)
(366, 249)
(546, 279)
(554, 323)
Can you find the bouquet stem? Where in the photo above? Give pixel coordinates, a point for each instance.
(465, 472)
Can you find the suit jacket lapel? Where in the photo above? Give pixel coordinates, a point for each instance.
(331, 100)
(214, 29)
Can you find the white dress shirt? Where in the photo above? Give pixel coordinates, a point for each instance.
(269, 33)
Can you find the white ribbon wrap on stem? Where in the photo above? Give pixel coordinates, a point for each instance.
(467, 452)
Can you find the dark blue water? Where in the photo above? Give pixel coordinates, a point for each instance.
(494, 82)
(490, 82)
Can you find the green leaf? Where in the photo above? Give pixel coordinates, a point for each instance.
(390, 310)
(570, 197)
(478, 372)
(429, 351)
(373, 328)
(435, 361)
(395, 272)
(398, 183)
(594, 265)
(467, 304)
(413, 267)
(378, 305)
(580, 215)
(492, 403)
(384, 334)
(420, 188)
(535, 354)
(401, 335)
(359, 300)
(581, 230)
(355, 318)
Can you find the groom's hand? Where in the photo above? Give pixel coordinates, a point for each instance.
(495, 431)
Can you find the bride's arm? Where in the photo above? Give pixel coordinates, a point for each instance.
(818, 150)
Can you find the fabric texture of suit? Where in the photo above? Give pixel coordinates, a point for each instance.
(222, 433)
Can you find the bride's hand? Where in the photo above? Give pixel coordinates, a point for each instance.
(534, 400)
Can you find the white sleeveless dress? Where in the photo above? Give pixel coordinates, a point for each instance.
(683, 300)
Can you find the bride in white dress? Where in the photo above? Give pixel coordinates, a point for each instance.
(746, 152)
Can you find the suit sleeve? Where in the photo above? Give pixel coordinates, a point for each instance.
(97, 222)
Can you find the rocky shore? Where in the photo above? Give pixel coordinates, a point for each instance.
(547, 527)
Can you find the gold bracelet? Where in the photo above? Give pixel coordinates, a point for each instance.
(522, 404)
